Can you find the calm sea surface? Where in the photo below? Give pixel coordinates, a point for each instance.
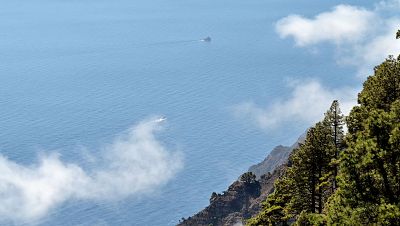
(75, 73)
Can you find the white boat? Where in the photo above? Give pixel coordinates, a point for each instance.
(161, 119)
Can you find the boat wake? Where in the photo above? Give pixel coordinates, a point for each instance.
(206, 39)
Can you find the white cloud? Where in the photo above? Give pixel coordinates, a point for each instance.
(363, 37)
(135, 163)
(343, 24)
(307, 103)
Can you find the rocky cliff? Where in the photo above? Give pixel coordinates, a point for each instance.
(243, 199)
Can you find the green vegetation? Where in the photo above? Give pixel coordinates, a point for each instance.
(352, 179)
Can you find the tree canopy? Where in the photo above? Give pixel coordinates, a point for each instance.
(352, 179)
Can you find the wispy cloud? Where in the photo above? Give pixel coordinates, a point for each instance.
(363, 37)
(307, 103)
(134, 163)
(388, 5)
(369, 53)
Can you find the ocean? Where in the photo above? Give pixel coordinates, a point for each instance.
(74, 74)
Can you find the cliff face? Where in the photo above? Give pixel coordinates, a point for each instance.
(241, 201)
(244, 200)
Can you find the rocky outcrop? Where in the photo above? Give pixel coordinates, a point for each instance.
(244, 197)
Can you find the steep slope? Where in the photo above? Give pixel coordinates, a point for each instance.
(276, 157)
(243, 200)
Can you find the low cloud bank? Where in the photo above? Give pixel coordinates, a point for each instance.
(307, 103)
(134, 163)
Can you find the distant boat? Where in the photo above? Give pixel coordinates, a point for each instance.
(207, 39)
(161, 119)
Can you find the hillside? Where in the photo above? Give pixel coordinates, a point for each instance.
(243, 200)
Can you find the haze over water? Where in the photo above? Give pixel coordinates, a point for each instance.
(75, 74)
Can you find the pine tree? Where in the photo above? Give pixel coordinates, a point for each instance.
(370, 165)
(335, 120)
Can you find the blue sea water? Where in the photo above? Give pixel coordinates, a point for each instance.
(75, 73)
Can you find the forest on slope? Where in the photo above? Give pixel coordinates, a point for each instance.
(353, 178)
